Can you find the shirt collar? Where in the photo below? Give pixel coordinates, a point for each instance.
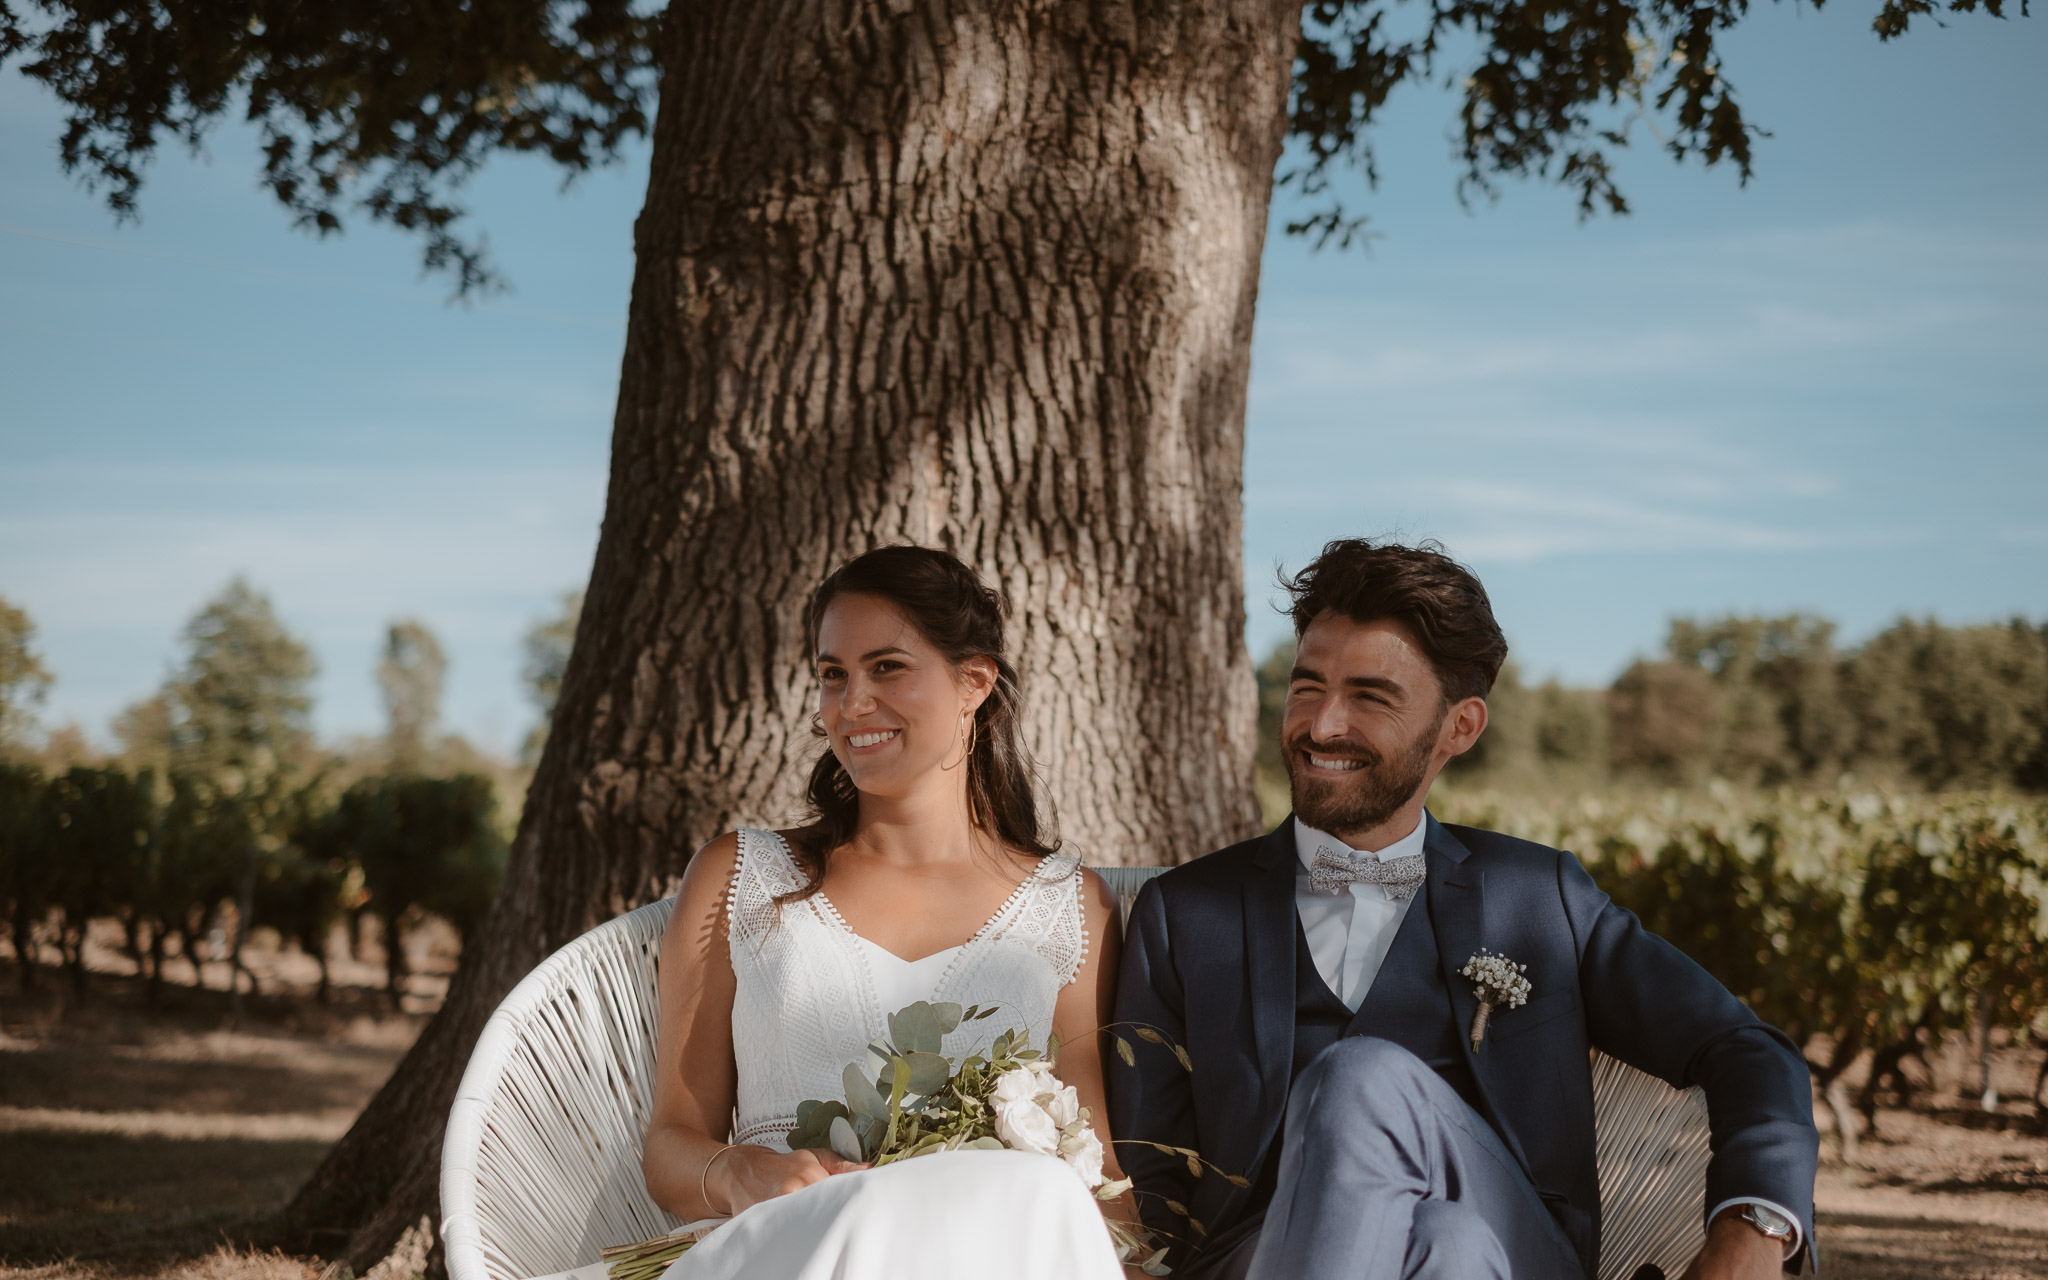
(1306, 838)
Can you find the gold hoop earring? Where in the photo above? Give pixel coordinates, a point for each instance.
(974, 735)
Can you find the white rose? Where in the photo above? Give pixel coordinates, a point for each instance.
(1065, 1107)
(1083, 1154)
(1022, 1124)
(1014, 1086)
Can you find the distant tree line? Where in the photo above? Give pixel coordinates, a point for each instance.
(1765, 701)
(220, 815)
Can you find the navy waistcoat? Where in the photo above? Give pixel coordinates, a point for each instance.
(1406, 1004)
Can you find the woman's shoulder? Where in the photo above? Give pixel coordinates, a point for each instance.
(708, 873)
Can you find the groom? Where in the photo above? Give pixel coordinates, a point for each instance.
(1313, 976)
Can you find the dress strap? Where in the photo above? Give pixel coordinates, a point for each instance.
(763, 872)
(1048, 910)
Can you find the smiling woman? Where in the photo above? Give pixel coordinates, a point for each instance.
(914, 675)
(926, 874)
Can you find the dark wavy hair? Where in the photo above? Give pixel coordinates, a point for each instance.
(1434, 596)
(962, 617)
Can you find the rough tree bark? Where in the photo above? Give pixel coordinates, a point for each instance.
(971, 273)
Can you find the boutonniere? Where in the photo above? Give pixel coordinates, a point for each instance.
(1498, 983)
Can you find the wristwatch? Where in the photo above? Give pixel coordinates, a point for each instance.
(1769, 1221)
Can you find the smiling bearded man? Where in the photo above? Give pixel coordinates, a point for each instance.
(1313, 976)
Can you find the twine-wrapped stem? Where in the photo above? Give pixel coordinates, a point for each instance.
(1479, 1022)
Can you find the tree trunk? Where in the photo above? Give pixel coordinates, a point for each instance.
(977, 274)
(25, 950)
(155, 989)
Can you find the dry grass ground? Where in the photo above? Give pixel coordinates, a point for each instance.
(151, 1140)
(136, 1137)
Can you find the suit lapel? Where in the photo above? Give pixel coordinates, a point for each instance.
(1269, 929)
(1457, 911)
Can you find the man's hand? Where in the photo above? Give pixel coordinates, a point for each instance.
(1737, 1251)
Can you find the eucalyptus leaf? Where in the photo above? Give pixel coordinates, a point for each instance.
(948, 1016)
(864, 1098)
(916, 1027)
(814, 1123)
(928, 1072)
(878, 1059)
(843, 1142)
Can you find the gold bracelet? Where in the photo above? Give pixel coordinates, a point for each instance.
(704, 1190)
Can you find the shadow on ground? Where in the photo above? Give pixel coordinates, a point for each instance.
(1871, 1248)
(138, 1200)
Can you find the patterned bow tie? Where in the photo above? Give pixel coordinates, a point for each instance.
(1335, 870)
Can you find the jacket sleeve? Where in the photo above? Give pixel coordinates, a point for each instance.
(1153, 1100)
(1650, 1005)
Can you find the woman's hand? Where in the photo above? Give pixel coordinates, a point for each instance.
(745, 1174)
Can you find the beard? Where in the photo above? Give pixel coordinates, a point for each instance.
(1365, 797)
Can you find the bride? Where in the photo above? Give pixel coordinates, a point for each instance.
(924, 875)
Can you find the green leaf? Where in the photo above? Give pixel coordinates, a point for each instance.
(899, 1080)
(928, 1072)
(920, 1027)
(1150, 1036)
(842, 1140)
(1182, 1054)
(863, 1097)
(1124, 1051)
(814, 1124)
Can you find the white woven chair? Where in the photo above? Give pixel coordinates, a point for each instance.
(541, 1165)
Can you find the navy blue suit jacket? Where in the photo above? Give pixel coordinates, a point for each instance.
(1209, 960)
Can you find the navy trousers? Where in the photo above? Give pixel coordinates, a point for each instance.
(1387, 1174)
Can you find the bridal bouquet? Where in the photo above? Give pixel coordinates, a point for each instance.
(909, 1099)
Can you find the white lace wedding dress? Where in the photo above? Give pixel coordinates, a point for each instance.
(811, 996)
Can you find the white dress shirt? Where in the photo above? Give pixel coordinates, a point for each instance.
(1349, 937)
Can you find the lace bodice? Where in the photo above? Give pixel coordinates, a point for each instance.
(805, 1004)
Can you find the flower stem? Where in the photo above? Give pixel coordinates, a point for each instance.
(1479, 1022)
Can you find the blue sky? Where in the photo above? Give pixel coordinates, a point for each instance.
(1825, 391)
